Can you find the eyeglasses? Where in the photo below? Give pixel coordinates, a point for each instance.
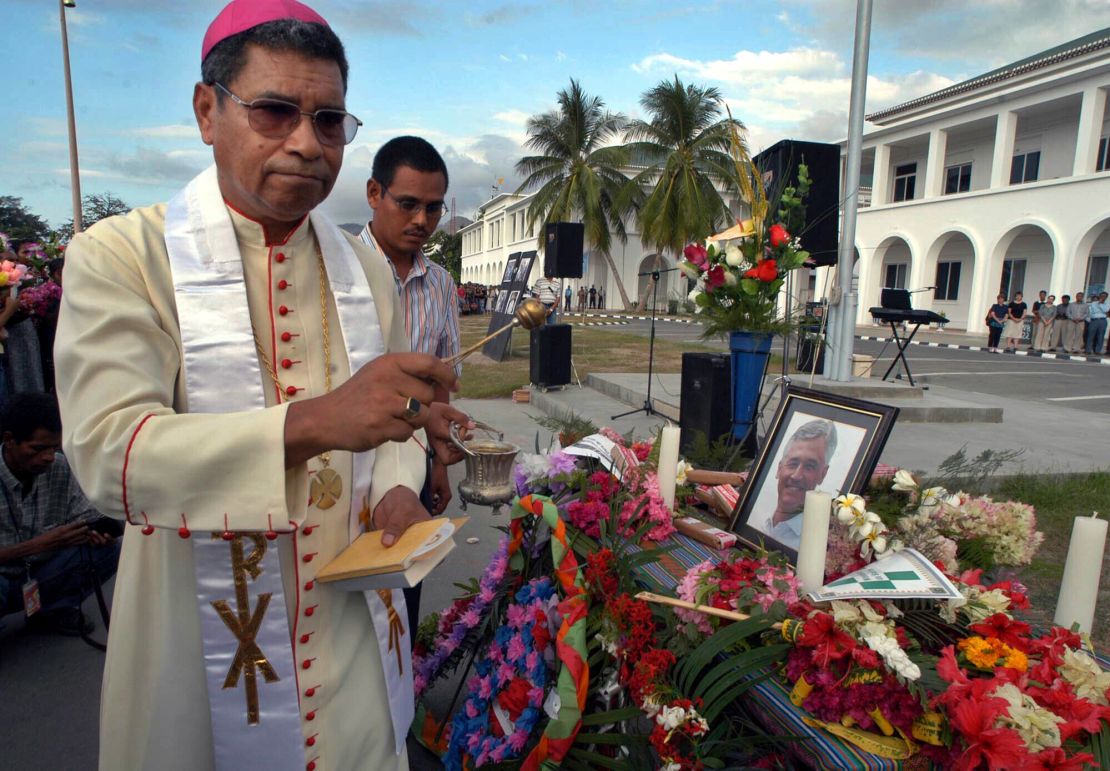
(411, 206)
(276, 119)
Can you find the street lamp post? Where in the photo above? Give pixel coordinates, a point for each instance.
(74, 171)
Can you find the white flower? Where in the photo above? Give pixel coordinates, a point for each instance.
(934, 496)
(671, 717)
(730, 278)
(849, 508)
(734, 255)
(1086, 676)
(680, 472)
(689, 269)
(1038, 727)
(672, 766)
(904, 481)
(893, 656)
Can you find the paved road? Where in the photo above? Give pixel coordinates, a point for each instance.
(1080, 385)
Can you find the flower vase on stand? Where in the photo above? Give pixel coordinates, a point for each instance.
(750, 353)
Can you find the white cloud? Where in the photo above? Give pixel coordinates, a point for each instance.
(504, 58)
(172, 131)
(778, 93)
(560, 56)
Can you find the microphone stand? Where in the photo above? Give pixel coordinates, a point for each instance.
(647, 409)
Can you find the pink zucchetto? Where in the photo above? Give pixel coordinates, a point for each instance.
(240, 15)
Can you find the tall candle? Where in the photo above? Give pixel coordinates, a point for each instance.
(815, 540)
(1079, 588)
(668, 463)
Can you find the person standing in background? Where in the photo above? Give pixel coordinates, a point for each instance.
(996, 321)
(1096, 324)
(1015, 320)
(1077, 318)
(1044, 319)
(1060, 326)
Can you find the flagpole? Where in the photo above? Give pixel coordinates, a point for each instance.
(844, 335)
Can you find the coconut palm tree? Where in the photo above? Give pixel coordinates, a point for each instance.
(577, 173)
(685, 150)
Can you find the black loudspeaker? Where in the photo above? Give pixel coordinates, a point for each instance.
(562, 256)
(550, 356)
(706, 402)
(778, 165)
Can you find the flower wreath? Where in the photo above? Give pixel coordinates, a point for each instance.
(513, 676)
(457, 620)
(570, 642)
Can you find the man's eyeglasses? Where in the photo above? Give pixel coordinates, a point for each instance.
(411, 206)
(276, 119)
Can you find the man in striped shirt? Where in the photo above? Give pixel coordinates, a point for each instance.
(406, 190)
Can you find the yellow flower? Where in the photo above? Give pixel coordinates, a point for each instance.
(979, 652)
(1015, 659)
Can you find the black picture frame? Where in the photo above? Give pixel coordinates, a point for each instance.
(862, 429)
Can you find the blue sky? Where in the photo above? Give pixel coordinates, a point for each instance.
(467, 76)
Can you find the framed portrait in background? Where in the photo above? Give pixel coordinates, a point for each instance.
(817, 441)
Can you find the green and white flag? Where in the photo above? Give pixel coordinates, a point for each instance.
(903, 575)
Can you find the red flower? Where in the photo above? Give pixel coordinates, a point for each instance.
(714, 278)
(514, 699)
(821, 633)
(779, 236)
(540, 634)
(1000, 626)
(1055, 759)
(766, 271)
(696, 254)
(997, 748)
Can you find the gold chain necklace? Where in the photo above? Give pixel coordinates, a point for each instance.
(326, 487)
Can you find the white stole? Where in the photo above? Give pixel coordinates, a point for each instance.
(222, 374)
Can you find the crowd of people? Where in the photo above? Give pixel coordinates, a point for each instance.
(29, 300)
(1072, 325)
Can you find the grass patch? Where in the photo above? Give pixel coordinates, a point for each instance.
(1058, 499)
(594, 349)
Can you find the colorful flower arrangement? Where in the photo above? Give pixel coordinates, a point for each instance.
(12, 273)
(509, 683)
(42, 300)
(458, 621)
(742, 585)
(737, 287)
(948, 528)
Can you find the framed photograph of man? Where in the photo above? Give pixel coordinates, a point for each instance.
(514, 297)
(510, 268)
(817, 441)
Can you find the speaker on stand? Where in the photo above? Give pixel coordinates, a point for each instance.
(705, 405)
(549, 363)
(562, 253)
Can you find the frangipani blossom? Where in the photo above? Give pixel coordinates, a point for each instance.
(904, 481)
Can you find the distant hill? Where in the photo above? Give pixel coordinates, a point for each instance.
(353, 227)
(458, 222)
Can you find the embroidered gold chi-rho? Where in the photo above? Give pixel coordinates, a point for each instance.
(245, 621)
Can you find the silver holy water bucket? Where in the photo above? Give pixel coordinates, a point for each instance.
(489, 468)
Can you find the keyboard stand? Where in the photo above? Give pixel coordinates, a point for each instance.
(902, 343)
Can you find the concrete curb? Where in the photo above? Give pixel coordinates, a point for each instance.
(1091, 359)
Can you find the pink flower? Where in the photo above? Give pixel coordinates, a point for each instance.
(485, 688)
(518, 740)
(714, 278)
(516, 650)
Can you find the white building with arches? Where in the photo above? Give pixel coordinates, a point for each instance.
(501, 229)
(997, 184)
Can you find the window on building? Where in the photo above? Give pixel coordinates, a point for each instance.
(957, 179)
(896, 276)
(1013, 278)
(905, 176)
(1097, 268)
(948, 281)
(1102, 162)
(1025, 167)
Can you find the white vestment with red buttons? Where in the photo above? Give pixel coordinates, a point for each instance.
(142, 454)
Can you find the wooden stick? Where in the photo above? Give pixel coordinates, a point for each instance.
(677, 603)
(453, 360)
(706, 477)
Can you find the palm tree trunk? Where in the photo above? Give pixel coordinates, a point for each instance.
(642, 304)
(620, 283)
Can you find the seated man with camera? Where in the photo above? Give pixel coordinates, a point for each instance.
(53, 543)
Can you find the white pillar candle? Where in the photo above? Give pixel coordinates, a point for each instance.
(815, 540)
(1079, 588)
(668, 463)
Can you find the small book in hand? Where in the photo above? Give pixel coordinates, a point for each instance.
(366, 564)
